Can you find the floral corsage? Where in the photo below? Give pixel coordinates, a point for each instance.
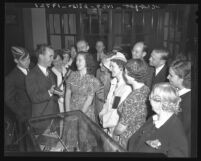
(154, 143)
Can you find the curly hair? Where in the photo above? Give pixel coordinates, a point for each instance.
(90, 64)
(168, 96)
(182, 69)
(121, 64)
(137, 69)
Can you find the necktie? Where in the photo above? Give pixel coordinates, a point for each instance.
(47, 72)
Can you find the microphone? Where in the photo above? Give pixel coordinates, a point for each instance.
(57, 89)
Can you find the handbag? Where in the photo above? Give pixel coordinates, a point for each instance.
(111, 117)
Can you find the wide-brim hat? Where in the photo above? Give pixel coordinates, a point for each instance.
(19, 52)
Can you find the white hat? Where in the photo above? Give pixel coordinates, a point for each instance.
(106, 63)
(119, 56)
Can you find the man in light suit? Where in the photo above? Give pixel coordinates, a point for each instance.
(16, 97)
(40, 85)
(158, 60)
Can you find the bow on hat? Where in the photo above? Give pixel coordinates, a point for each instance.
(19, 52)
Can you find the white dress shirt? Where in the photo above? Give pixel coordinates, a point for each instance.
(159, 123)
(43, 69)
(22, 69)
(183, 91)
(159, 69)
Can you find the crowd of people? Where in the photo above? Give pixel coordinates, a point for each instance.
(144, 105)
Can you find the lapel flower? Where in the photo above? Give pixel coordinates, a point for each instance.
(154, 143)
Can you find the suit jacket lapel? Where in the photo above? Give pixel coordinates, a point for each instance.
(43, 77)
(161, 73)
(20, 72)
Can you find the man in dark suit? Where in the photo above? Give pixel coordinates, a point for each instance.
(16, 97)
(158, 60)
(40, 85)
(139, 51)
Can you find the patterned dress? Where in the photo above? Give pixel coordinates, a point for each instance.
(81, 88)
(132, 113)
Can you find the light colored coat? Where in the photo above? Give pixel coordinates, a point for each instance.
(110, 116)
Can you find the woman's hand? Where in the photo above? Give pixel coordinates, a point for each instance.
(67, 100)
(101, 118)
(119, 129)
(87, 103)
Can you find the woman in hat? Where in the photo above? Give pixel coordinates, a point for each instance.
(133, 110)
(119, 90)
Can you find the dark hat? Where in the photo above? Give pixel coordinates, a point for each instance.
(19, 52)
(117, 48)
(66, 51)
(137, 69)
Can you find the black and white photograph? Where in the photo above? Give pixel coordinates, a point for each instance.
(101, 79)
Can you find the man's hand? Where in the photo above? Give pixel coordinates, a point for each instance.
(58, 92)
(51, 90)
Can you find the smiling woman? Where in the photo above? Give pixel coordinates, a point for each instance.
(81, 87)
(80, 90)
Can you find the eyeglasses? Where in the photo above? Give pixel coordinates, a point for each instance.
(155, 98)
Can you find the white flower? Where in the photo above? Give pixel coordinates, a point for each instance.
(154, 143)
